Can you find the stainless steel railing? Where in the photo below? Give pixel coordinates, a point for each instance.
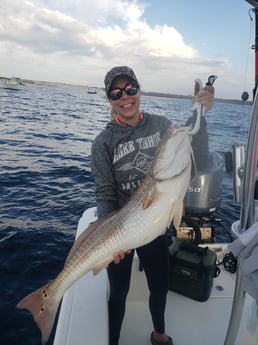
(246, 219)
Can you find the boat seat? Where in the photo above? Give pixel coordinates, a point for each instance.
(83, 317)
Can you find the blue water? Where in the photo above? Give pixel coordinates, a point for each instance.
(45, 183)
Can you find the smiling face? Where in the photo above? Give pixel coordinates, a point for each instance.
(127, 108)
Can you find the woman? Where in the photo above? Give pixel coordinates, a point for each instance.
(121, 157)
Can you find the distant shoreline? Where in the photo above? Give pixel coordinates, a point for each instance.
(145, 93)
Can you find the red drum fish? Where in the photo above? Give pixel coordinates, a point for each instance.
(148, 213)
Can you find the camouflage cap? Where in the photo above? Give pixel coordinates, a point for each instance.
(116, 72)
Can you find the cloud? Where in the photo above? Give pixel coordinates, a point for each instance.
(49, 31)
(78, 41)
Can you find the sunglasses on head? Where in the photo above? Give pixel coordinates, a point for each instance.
(130, 89)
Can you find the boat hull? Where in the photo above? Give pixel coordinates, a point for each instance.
(85, 305)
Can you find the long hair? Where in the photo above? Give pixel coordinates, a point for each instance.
(112, 114)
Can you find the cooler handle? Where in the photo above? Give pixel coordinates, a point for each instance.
(193, 248)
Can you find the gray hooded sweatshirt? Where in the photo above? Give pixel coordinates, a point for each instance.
(122, 156)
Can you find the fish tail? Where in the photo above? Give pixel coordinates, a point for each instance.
(43, 307)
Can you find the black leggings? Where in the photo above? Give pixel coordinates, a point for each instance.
(155, 261)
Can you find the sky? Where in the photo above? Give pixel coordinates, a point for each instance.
(168, 43)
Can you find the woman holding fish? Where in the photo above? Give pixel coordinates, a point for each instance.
(121, 158)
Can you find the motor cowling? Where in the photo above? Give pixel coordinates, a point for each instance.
(204, 192)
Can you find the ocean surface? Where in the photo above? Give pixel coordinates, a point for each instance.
(46, 183)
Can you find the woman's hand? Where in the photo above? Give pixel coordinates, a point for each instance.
(120, 256)
(205, 97)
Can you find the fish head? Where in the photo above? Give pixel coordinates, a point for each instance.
(174, 153)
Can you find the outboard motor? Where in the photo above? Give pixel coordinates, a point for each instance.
(202, 198)
(204, 192)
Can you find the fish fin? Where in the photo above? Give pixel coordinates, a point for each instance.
(86, 233)
(99, 268)
(147, 203)
(43, 307)
(152, 197)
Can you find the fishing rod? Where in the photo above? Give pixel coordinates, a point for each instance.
(254, 3)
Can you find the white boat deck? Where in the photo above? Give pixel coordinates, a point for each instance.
(187, 321)
(83, 318)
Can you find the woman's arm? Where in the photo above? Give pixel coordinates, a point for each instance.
(200, 143)
(102, 172)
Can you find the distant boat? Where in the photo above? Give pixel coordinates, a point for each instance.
(92, 91)
(13, 84)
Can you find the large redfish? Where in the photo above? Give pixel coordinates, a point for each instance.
(157, 202)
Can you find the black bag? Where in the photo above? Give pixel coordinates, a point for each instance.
(192, 269)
